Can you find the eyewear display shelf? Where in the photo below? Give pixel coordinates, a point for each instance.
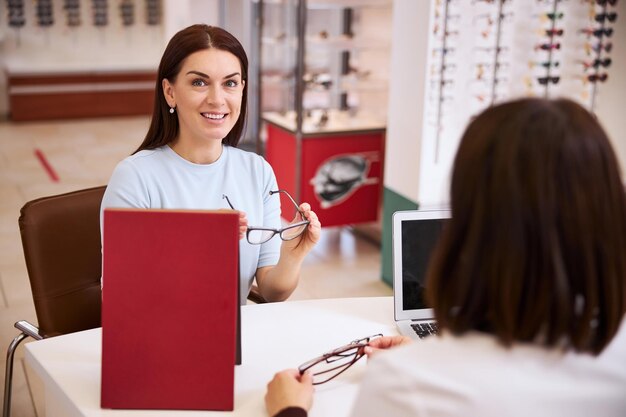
(336, 168)
(323, 72)
(490, 51)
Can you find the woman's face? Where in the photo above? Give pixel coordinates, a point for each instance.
(207, 95)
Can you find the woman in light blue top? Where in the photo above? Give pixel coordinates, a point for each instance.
(189, 159)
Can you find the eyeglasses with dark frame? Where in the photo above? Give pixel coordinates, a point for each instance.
(259, 235)
(337, 361)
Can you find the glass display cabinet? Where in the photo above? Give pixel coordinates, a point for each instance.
(323, 72)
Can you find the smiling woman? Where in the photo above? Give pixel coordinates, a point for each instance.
(189, 157)
(208, 96)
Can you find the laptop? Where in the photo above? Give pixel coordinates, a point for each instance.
(414, 235)
(170, 303)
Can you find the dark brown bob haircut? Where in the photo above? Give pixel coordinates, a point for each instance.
(164, 126)
(536, 247)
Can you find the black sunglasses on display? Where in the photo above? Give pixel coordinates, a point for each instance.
(547, 80)
(605, 2)
(611, 17)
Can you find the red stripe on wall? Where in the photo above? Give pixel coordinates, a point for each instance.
(46, 166)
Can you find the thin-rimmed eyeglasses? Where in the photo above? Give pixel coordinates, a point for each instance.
(259, 235)
(335, 362)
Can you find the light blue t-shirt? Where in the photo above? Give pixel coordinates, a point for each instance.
(162, 179)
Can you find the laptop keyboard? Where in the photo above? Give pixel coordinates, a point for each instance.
(425, 329)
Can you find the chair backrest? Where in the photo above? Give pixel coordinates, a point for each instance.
(62, 248)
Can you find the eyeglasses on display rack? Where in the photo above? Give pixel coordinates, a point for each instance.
(153, 13)
(548, 46)
(100, 12)
(602, 17)
(596, 63)
(72, 12)
(605, 2)
(333, 363)
(491, 19)
(598, 32)
(547, 80)
(598, 47)
(15, 16)
(552, 16)
(597, 77)
(554, 32)
(259, 235)
(544, 64)
(44, 13)
(127, 12)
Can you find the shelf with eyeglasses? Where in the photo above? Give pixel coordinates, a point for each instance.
(342, 42)
(484, 52)
(338, 57)
(565, 57)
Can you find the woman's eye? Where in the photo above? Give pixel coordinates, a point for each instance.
(231, 83)
(198, 83)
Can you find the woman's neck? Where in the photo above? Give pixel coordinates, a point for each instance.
(208, 153)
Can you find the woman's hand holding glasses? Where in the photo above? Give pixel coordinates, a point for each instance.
(289, 389)
(385, 342)
(306, 237)
(299, 236)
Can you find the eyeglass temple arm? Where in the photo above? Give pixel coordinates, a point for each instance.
(224, 196)
(290, 198)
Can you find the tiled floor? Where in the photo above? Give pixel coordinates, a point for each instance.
(83, 154)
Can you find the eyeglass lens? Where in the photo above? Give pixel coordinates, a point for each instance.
(257, 236)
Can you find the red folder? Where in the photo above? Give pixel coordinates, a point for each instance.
(169, 309)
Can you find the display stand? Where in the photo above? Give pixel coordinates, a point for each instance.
(323, 92)
(340, 166)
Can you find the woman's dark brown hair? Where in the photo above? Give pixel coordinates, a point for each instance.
(536, 247)
(164, 126)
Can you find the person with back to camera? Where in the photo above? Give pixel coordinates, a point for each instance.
(528, 282)
(189, 159)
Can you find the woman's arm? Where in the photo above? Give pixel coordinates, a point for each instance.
(276, 283)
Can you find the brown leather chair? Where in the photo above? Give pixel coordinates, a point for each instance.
(62, 248)
(61, 241)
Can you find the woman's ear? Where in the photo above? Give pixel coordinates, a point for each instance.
(168, 92)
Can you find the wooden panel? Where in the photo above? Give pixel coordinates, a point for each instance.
(80, 105)
(42, 96)
(79, 78)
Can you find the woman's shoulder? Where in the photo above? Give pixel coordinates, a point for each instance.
(241, 156)
(142, 159)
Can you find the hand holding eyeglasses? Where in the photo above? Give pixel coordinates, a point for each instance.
(385, 342)
(305, 226)
(307, 237)
(289, 389)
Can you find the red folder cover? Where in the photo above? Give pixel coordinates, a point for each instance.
(169, 309)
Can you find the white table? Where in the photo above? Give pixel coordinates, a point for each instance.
(274, 337)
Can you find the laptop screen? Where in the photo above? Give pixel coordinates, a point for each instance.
(415, 234)
(418, 241)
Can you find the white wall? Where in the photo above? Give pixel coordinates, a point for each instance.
(407, 88)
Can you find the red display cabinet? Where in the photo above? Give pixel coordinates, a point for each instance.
(337, 167)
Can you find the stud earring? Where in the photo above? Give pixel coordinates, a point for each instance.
(172, 110)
